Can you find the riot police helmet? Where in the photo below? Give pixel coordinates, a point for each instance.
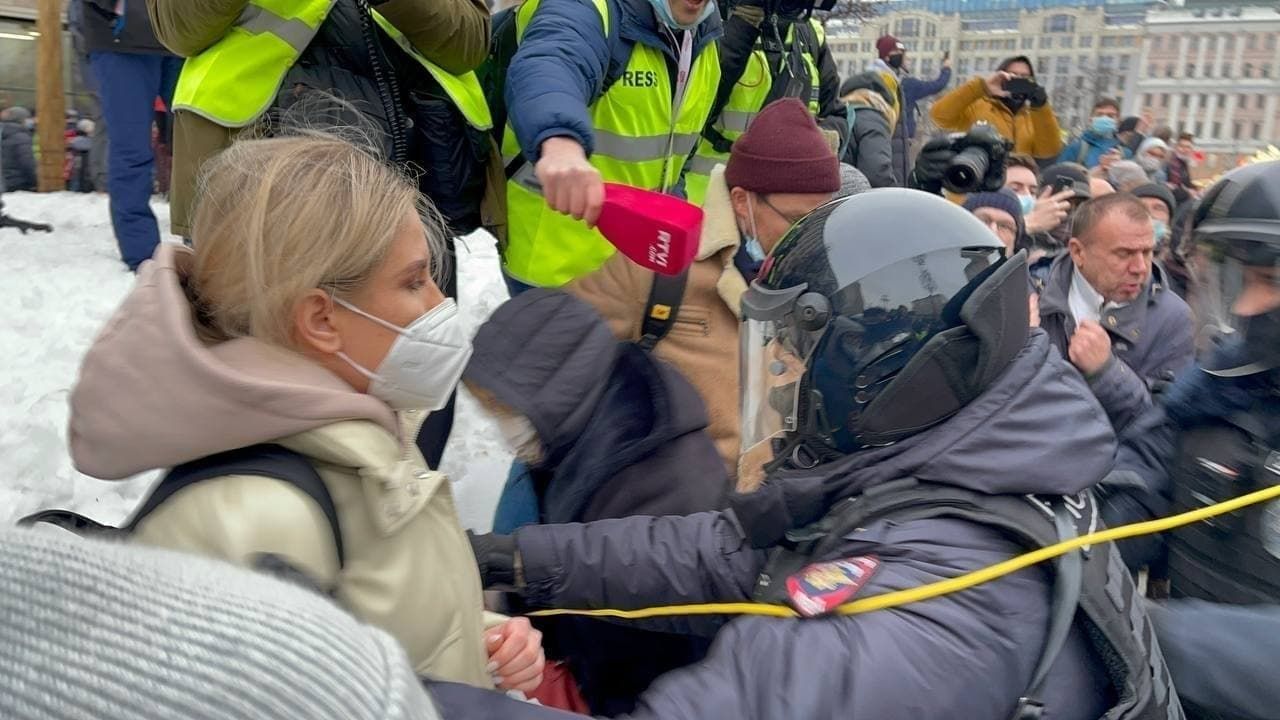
(1237, 236)
(875, 317)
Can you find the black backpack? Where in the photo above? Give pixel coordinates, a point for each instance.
(266, 460)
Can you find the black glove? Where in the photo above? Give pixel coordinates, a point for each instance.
(1039, 97)
(495, 558)
(931, 165)
(778, 506)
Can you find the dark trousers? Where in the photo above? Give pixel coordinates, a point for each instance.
(128, 86)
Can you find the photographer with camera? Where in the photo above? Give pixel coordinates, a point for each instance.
(771, 49)
(1012, 102)
(869, 146)
(962, 163)
(892, 65)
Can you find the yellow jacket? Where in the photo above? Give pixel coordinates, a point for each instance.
(1034, 131)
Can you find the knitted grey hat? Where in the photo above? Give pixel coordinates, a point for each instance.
(852, 181)
(100, 630)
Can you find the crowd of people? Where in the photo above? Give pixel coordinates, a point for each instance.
(879, 372)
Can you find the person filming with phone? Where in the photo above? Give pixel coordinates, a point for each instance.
(1012, 102)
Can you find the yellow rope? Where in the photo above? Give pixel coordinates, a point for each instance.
(950, 585)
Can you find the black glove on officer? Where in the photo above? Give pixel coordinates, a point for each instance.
(779, 505)
(495, 558)
(1039, 97)
(931, 165)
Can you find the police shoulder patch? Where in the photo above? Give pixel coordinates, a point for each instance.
(820, 588)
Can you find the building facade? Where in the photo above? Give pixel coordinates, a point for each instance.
(1081, 49)
(1213, 70)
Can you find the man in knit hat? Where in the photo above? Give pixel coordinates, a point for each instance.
(781, 169)
(1002, 212)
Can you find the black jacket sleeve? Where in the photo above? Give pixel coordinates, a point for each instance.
(640, 562)
(871, 149)
(832, 114)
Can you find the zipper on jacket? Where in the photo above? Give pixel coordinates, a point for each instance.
(388, 86)
(684, 69)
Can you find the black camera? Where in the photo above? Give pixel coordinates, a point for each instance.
(788, 9)
(979, 162)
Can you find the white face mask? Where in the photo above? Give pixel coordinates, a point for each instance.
(425, 361)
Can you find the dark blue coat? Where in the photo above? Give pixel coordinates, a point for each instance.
(564, 58)
(965, 655)
(913, 91)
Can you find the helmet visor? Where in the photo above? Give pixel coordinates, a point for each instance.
(1238, 281)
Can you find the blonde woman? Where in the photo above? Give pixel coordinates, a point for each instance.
(306, 316)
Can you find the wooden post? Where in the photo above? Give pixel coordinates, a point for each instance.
(51, 105)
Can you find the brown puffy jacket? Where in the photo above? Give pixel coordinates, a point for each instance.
(1034, 131)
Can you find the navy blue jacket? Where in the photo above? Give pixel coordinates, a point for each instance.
(913, 91)
(565, 56)
(969, 654)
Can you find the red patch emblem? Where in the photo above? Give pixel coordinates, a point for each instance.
(820, 588)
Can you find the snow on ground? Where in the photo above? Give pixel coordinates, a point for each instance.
(58, 290)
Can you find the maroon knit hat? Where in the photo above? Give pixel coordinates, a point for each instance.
(783, 152)
(888, 45)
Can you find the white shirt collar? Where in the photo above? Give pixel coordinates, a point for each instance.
(1085, 302)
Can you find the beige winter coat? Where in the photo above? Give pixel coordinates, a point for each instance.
(703, 342)
(151, 395)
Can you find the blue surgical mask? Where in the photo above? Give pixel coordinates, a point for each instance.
(754, 249)
(1028, 203)
(1104, 125)
(1162, 231)
(663, 9)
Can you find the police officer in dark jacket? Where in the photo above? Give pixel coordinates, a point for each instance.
(911, 428)
(1217, 437)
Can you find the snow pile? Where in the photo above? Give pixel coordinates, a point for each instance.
(59, 289)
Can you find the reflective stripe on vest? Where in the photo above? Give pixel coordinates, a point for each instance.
(635, 143)
(745, 102)
(235, 80)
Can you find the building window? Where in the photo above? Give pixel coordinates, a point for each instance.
(1164, 100)
(1226, 70)
(1028, 43)
(1157, 43)
(1066, 41)
(963, 70)
(1271, 41)
(1222, 101)
(1250, 41)
(1266, 71)
(1237, 130)
(1208, 69)
(908, 27)
(1204, 103)
(1168, 70)
(1086, 41)
(1191, 70)
(1258, 101)
(1060, 24)
(930, 30)
(1195, 44)
(1248, 70)
(1186, 100)
(1228, 42)
(1199, 128)
(1242, 102)
(946, 44)
(1063, 66)
(1211, 43)
(1124, 62)
(1217, 130)
(1120, 82)
(1257, 131)
(1045, 42)
(1108, 41)
(1151, 70)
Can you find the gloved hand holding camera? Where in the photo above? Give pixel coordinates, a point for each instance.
(962, 162)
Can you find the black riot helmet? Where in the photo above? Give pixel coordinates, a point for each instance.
(876, 317)
(1237, 235)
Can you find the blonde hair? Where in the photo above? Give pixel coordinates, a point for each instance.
(278, 217)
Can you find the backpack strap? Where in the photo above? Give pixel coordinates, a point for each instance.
(1083, 153)
(265, 460)
(661, 309)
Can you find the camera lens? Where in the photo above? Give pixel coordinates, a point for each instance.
(966, 171)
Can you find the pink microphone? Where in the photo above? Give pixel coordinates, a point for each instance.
(657, 232)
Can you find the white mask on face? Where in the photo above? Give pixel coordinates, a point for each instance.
(425, 361)
(521, 437)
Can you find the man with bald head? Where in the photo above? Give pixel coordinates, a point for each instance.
(1108, 309)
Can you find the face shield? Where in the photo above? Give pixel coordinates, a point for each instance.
(776, 347)
(1238, 305)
